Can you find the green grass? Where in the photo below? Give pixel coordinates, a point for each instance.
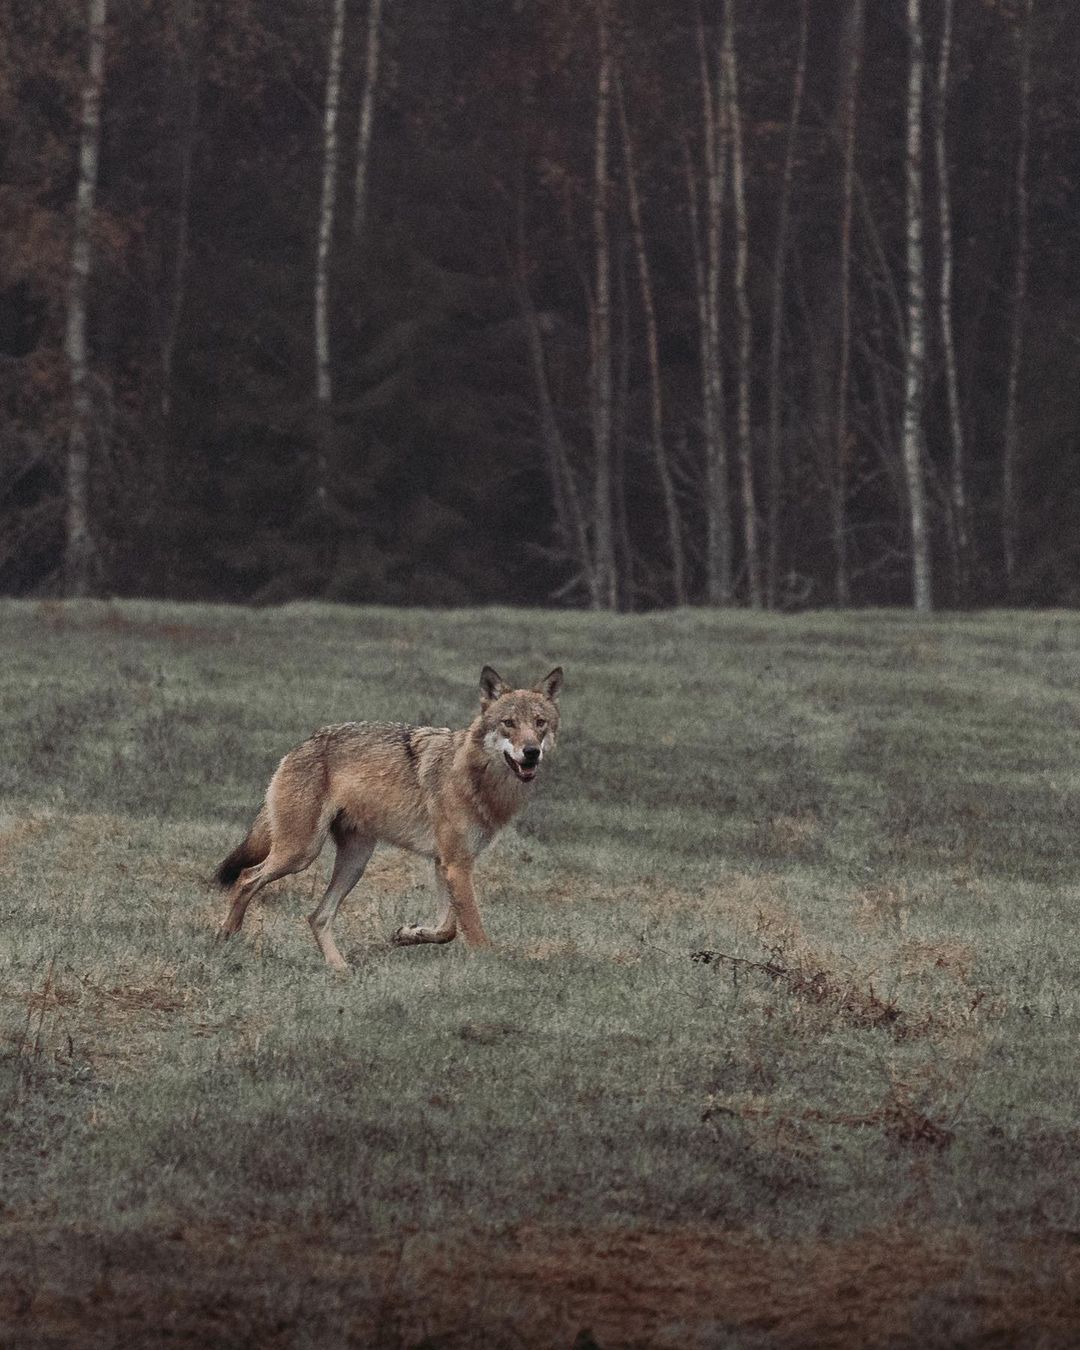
(870, 820)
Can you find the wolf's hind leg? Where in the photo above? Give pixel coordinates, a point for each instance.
(353, 852)
(296, 850)
(252, 880)
(445, 929)
(297, 819)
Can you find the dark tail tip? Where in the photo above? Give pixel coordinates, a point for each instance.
(230, 868)
(255, 847)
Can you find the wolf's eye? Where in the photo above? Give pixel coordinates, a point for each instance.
(508, 723)
(541, 723)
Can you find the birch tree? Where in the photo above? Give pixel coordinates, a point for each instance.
(187, 76)
(605, 594)
(571, 526)
(776, 311)
(367, 115)
(841, 449)
(915, 344)
(707, 266)
(960, 529)
(328, 201)
(1010, 505)
(625, 583)
(652, 348)
(80, 557)
(733, 117)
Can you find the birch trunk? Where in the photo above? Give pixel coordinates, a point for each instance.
(718, 542)
(841, 448)
(961, 540)
(367, 115)
(189, 77)
(625, 585)
(328, 202)
(570, 524)
(733, 117)
(915, 345)
(776, 312)
(652, 346)
(1010, 506)
(600, 327)
(80, 554)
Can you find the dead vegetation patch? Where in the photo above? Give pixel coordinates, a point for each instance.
(64, 618)
(80, 1017)
(15, 834)
(487, 1033)
(549, 949)
(924, 1003)
(790, 834)
(882, 907)
(853, 1005)
(899, 1118)
(142, 997)
(950, 955)
(850, 997)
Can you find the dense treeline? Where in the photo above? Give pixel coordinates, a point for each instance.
(616, 303)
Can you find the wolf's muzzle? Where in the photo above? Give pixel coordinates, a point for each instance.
(526, 771)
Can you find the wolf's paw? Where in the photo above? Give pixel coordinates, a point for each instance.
(406, 936)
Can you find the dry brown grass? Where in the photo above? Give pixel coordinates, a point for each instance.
(816, 976)
(113, 1027)
(17, 836)
(898, 1118)
(62, 617)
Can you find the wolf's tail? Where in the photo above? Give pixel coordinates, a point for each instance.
(253, 850)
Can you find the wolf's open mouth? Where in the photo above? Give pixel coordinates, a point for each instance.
(525, 774)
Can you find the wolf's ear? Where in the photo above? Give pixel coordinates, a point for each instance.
(550, 685)
(492, 686)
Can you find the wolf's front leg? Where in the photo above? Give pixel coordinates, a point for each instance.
(454, 880)
(458, 877)
(445, 929)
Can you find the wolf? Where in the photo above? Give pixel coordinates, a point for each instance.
(440, 793)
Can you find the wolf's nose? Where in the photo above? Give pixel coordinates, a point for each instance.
(530, 754)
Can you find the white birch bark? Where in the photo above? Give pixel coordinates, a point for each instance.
(915, 345)
(600, 328)
(626, 592)
(328, 201)
(961, 544)
(80, 556)
(652, 346)
(367, 115)
(730, 94)
(839, 485)
(776, 312)
(189, 75)
(570, 522)
(1010, 505)
(718, 543)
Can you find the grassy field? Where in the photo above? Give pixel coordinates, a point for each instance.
(779, 1045)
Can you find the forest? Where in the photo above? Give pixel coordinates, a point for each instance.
(614, 304)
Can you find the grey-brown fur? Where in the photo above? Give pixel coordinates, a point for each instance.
(441, 793)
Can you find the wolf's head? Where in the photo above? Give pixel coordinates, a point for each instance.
(519, 725)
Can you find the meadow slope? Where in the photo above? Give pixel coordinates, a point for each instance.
(779, 1045)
